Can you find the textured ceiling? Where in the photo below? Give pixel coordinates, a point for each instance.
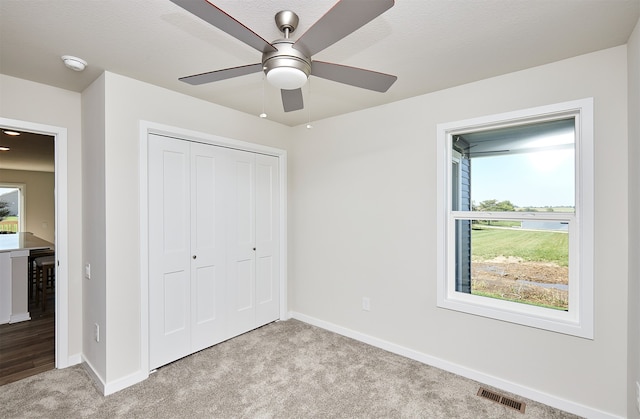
(430, 45)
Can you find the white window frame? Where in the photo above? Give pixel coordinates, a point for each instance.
(578, 320)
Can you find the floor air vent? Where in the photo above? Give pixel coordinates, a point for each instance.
(506, 401)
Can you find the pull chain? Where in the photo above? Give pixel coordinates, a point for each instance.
(263, 114)
(309, 126)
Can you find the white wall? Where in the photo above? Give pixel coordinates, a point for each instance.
(39, 200)
(38, 103)
(94, 251)
(128, 101)
(363, 223)
(633, 352)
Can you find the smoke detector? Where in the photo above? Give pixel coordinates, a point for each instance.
(74, 63)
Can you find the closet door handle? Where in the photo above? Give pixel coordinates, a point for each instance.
(194, 256)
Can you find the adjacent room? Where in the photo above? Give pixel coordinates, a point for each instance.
(420, 192)
(27, 236)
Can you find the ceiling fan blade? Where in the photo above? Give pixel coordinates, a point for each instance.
(217, 75)
(353, 76)
(221, 20)
(345, 17)
(292, 100)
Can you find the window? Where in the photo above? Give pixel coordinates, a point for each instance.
(11, 208)
(515, 217)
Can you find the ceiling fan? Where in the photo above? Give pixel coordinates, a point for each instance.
(286, 62)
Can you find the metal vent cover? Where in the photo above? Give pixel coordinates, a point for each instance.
(503, 400)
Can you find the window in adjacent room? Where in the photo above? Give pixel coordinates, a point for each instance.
(11, 208)
(516, 217)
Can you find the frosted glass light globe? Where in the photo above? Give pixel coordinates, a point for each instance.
(287, 78)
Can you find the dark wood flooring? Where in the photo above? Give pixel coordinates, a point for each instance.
(28, 348)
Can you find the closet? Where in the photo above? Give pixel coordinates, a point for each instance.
(213, 245)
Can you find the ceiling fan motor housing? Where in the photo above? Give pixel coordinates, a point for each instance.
(285, 59)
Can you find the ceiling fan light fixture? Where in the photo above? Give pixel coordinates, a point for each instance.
(287, 78)
(286, 68)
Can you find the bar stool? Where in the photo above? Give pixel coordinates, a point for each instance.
(33, 278)
(45, 277)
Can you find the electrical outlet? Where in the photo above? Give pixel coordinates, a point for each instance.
(366, 304)
(96, 332)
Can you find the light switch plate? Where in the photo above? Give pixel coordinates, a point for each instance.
(638, 395)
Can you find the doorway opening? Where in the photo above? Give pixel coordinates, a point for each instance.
(38, 168)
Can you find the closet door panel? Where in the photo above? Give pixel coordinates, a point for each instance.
(267, 239)
(265, 286)
(244, 285)
(176, 303)
(206, 307)
(241, 243)
(208, 244)
(169, 267)
(244, 198)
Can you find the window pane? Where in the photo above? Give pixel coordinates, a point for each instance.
(536, 181)
(9, 210)
(529, 167)
(521, 261)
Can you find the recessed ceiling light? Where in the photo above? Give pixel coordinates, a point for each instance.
(74, 63)
(12, 133)
(3, 148)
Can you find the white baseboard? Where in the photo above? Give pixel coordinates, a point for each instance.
(529, 393)
(114, 386)
(20, 317)
(74, 360)
(97, 380)
(124, 382)
(69, 361)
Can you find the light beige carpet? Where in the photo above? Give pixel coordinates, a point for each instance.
(287, 369)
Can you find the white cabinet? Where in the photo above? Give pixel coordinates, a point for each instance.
(213, 245)
(5, 287)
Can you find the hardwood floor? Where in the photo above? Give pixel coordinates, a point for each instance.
(28, 348)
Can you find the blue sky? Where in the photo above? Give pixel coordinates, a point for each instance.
(6, 190)
(533, 179)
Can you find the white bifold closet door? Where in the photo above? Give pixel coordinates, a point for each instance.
(213, 245)
(253, 239)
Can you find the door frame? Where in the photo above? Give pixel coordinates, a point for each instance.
(148, 127)
(61, 230)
